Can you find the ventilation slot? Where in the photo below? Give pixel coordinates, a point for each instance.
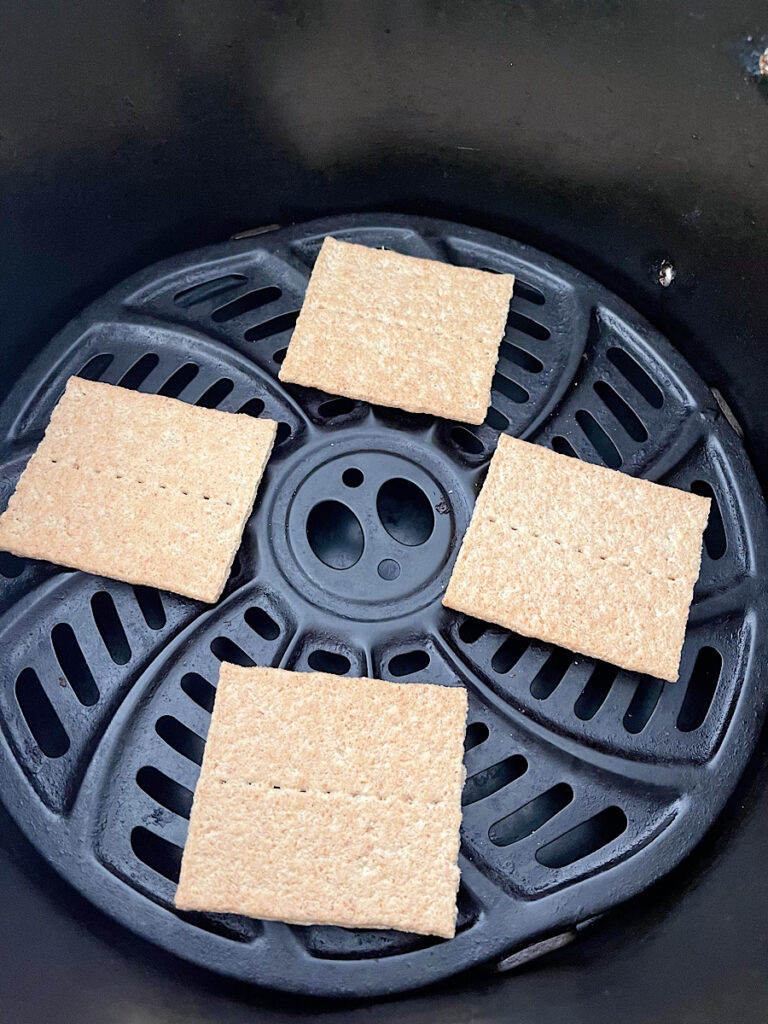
(279, 356)
(510, 652)
(157, 853)
(11, 566)
(139, 372)
(491, 780)
(623, 413)
(529, 292)
(199, 690)
(278, 324)
(95, 368)
(253, 407)
(643, 704)
(110, 627)
(180, 738)
(595, 692)
(563, 447)
(466, 441)
(215, 394)
(179, 380)
(409, 663)
(588, 837)
(336, 407)
(335, 535)
(151, 606)
(598, 438)
(524, 324)
(73, 664)
(700, 691)
(209, 290)
(531, 816)
(496, 420)
(227, 650)
(477, 733)
(715, 541)
(329, 661)
(550, 675)
(282, 434)
(471, 630)
(635, 375)
(510, 389)
(520, 357)
(164, 791)
(262, 623)
(246, 304)
(405, 512)
(43, 722)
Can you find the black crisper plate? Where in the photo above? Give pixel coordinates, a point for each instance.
(584, 784)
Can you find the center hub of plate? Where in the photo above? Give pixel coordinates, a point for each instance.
(367, 526)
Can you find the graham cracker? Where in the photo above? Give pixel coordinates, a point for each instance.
(139, 488)
(328, 800)
(581, 556)
(399, 331)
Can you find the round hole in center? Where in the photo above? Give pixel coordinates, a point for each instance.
(352, 477)
(335, 534)
(389, 569)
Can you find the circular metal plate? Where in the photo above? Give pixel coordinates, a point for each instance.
(584, 784)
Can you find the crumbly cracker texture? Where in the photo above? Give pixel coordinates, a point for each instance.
(328, 800)
(139, 488)
(581, 556)
(400, 331)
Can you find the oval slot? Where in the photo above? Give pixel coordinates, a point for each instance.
(471, 630)
(466, 441)
(180, 738)
(715, 540)
(94, 368)
(587, 838)
(519, 322)
(138, 373)
(643, 704)
(11, 566)
(510, 389)
(496, 420)
(165, 791)
(246, 303)
(179, 380)
(262, 623)
(510, 652)
(110, 627)
(408, 663)
(329, 661)
(594, 694)
(157, 853)
(199, 690)
(212, 289)
(335, 407)
(520, 357)
(477, 733)
(405, 512)
(253, 407)
(278, 324)
(626, 416)
(491, 780)
(563, 447)
(151, 606)
(598, 438)
(635, 375)
(73, 664)
(529, 818)
(227, 650)
(701, 689)
(39, 714)
(551, 673)
(215, 394)
(335, 535)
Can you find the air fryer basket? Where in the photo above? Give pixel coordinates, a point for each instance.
(584, 783)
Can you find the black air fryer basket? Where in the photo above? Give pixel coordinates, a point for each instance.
(613, 825)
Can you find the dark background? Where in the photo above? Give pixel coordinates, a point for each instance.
(611, 133)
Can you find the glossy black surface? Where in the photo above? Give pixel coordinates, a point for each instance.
(612, 135)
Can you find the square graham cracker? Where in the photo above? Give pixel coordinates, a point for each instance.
(328, 800)
(399, 331)
(139, 488)
(581, 556)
